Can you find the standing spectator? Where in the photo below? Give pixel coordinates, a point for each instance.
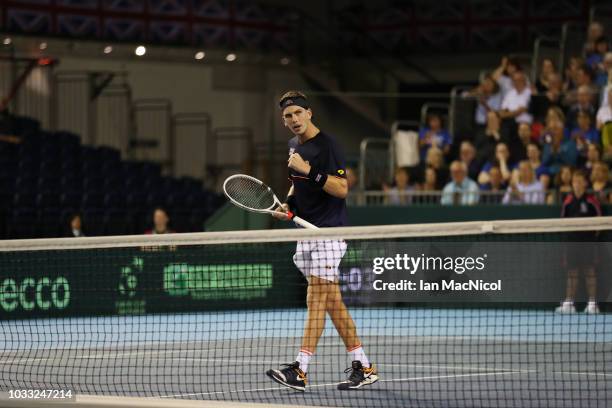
(580, 257)
(595, 31)
(601, 78)
(502, 160)
(467, 154)
(399, 194)
(600, 181)
(434, 135)
(516, 101)
(503, 74)
(460, 190)
(547, 69)
(557, 151)
(596, 58)
(75, 224)
(489, 99)
(160, 222)
(493, 191)
(486, 139)
(525, 190)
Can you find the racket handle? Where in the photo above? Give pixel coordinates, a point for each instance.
(299, 221)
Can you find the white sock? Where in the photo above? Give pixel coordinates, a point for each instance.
(357, 354)
(303, 358)
(568, 302)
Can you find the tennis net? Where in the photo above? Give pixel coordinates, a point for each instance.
(452, 315)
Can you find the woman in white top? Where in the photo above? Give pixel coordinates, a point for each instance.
(525, 190)
(604, 114)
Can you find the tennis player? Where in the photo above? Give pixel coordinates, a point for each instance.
(318, 176)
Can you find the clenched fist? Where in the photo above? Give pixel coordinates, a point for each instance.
(281, 211)
(298, 164)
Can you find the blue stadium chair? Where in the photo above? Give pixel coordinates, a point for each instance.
(156, 199)
(93, 200)
(6, 201)
(23, 223)
(71, 183)
(51, 222)
(115, 184)
(179, 221)
(93, 220)
(117, 222)
(24, 200)
(70, 199)
(93, 183)
(134, 185)
(115, 200)
(7, 183)
(136, 200)
(141, 220)
(108, 154)
(67, 139)
(48, 200)
(49, 168)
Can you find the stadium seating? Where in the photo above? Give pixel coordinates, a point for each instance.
(48, 176)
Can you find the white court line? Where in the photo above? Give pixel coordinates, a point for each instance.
(583, 373)
(336, 383)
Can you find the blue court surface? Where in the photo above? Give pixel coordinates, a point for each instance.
(425, 357)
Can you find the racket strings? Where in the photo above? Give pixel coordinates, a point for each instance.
(249, 193)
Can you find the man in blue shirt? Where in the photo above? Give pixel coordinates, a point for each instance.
(318, 188)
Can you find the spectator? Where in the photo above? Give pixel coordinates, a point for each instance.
(429, 186)
(527, 189)
(595, 31)
(434, 135)
(493, 191)
(546, 70)
(584, 78)
(503, 74)
(399, 193)
(502, 160)
(557, 151)
(580, 257)
(75, 223)
(584, 134)
(435, 159)
(160, 222)
(604, 114)
(461, 189)
(563, 183)
(534, 156)
(601, 78)
(600, 181)
(516, 101)
(572, 73)
(487, 139)
(593, 156)
(467, 154)
(525, 137)
(584, 103)
(596, 58)
(489, 99)
(351, 178)
(539, 104)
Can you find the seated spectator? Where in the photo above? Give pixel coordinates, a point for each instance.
(600, 182)
(547, 68)
(485, 140)
(539, 104)
(467, 154)
(434, 135)
(601, 78)
(493, 191)
(399, 194)
(595, 59)
(502, 160)
(435, 160)
(160, 222)
(580, 258)
(572, 73)
(563, 184)
(584, 103)
(525, 137)
(584, 79)
(489, 99)
(516, 102)
(460, 190)
(527, 189)
(503, 74)
(584, 134)
(594, 32)
(75, 226)
(534, 157)
(428, 189)
(556, 150)
(593, 156)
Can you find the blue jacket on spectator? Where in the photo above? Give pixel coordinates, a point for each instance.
(566, 154)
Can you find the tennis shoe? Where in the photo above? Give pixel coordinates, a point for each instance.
(359, 376)
(592, 308)
(291, 376)
(566, 308)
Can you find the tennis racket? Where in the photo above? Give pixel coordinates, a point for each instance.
(253, 195)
